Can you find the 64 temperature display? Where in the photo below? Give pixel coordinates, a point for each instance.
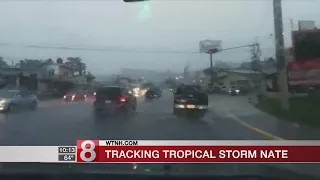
(87, 150)
(67, 154)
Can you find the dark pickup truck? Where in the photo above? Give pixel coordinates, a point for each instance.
(190, 98)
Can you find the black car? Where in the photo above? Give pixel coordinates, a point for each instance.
(190, 98)
(153, 93)
(234, 90)
(113, 99)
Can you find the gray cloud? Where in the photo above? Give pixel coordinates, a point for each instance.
(165, 25)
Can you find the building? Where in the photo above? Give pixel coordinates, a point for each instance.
(57, 69)
(21, 77)
(57, 77)
(223, 79)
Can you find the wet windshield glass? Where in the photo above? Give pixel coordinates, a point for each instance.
(109, 91)
(220, 70)
(307, 46)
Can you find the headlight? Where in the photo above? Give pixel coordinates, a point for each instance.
(237, 90)
(2, 102)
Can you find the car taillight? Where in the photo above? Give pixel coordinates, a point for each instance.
(122, 99)
(94, 99)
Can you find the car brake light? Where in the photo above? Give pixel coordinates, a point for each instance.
(94, 99)
(122, 99)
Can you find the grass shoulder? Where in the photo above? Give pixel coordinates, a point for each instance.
(303, 110)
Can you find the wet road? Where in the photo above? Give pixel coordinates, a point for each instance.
(59, 123)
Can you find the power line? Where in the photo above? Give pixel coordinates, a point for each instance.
(117, 49)
(107, 1)
(110, 49)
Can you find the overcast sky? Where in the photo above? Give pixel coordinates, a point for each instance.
(166, 25)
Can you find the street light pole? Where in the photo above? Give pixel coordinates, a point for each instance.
(212, 51)
(280, 57)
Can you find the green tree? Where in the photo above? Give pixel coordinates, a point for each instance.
(30, 63)
(77, 64)
(59, 60)
(47, 62)
(3, 63)
(256, 66)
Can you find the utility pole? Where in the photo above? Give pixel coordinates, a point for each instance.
(255, 58)
(280, 58)
(210, 52)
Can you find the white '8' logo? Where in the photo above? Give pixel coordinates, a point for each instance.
(89, 150)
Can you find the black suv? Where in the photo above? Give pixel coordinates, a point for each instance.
(113, 99)
(153, 93)
(190, 98)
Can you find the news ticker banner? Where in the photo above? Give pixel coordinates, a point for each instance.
(167, 151)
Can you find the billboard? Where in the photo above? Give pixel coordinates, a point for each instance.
(206, 45)
(306, 25)
(305, 69)
(304, 73)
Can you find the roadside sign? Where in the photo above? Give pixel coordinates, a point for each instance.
(304, 73)
(206, 45)
(306, 25)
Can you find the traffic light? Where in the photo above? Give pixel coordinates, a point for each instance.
(212, 51)
(134, 0)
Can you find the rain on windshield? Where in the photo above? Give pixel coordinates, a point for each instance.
(53, 48)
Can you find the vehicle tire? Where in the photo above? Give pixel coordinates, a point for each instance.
(134, 107)
(34, 105)
(126, 111)
(201, 114)
(12, 108)
(175, 111)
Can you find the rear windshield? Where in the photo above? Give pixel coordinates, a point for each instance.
(152, 91)
(75, 91)
(187, 89)
(109, 91)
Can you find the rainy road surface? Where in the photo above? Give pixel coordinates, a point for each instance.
(59, 123)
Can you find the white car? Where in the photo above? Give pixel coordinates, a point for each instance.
(12, 100)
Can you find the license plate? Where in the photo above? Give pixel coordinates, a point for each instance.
(191, 106)
(107, 101)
